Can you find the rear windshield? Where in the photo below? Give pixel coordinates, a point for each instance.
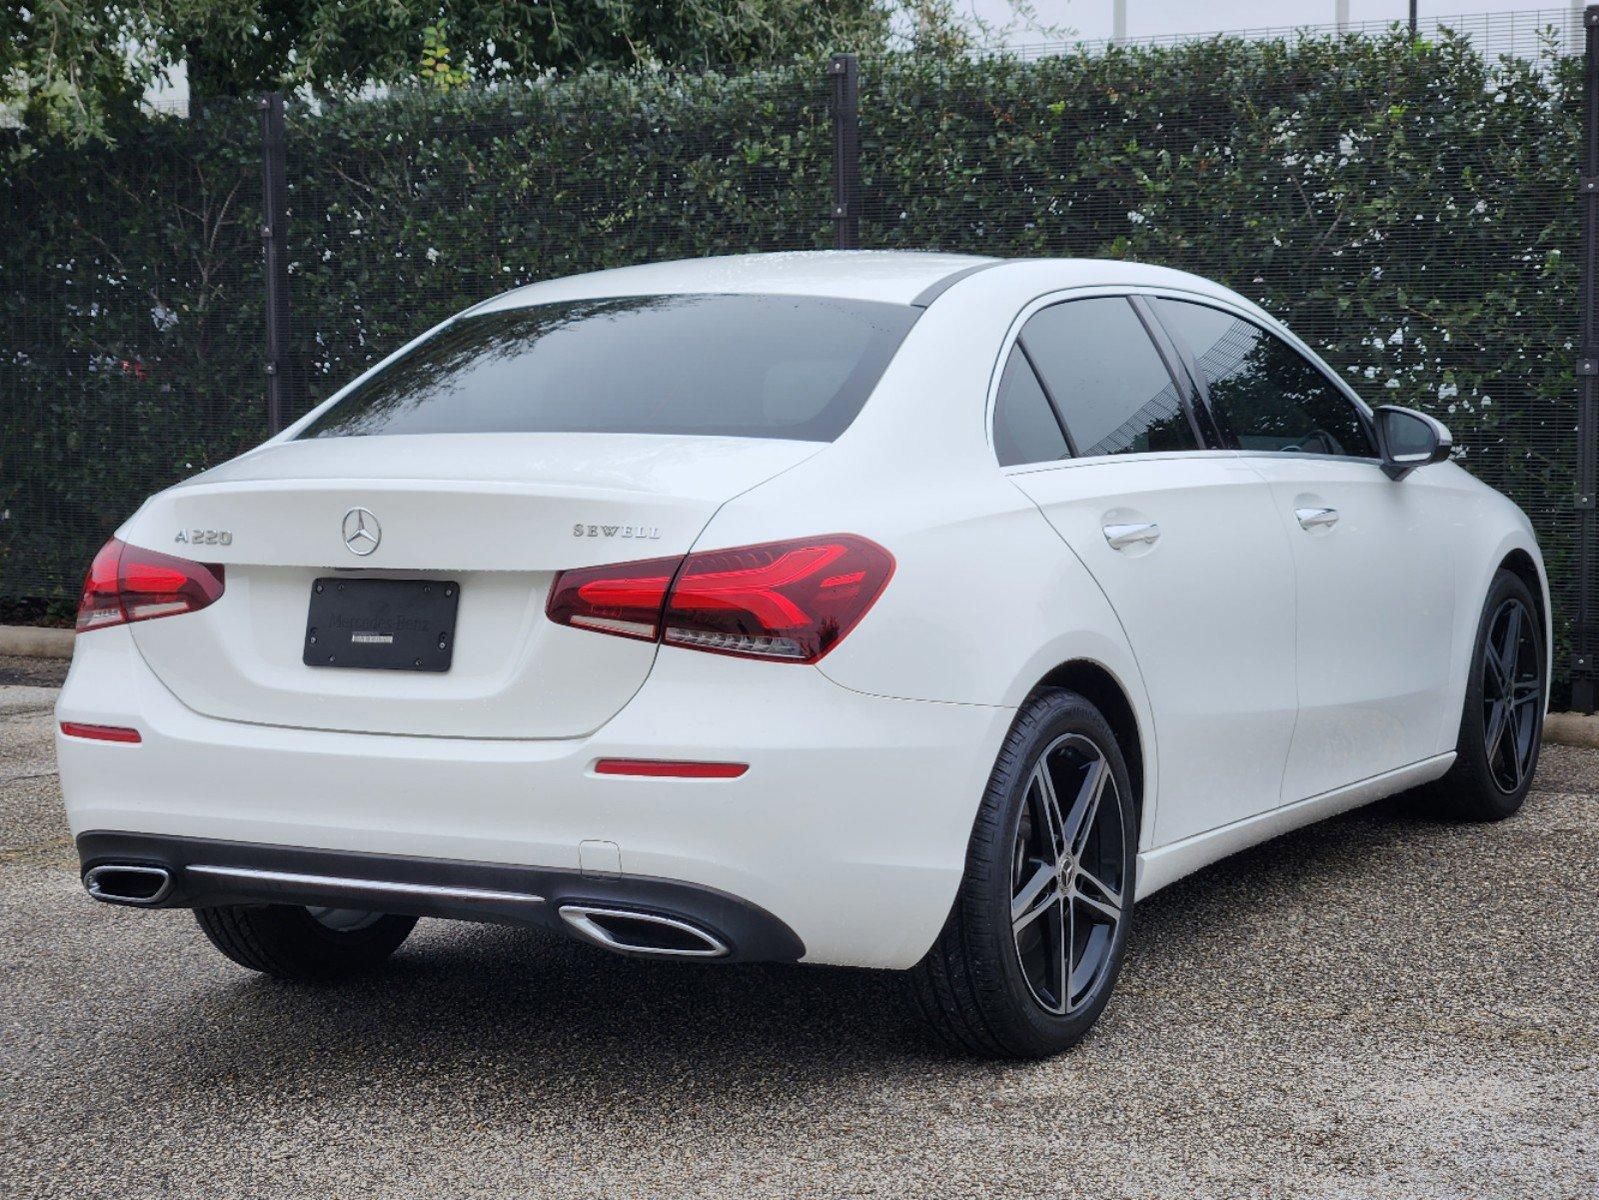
(739, 366)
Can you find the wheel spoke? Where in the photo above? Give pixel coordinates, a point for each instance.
(1068, 945)
(1086, 806)
(1104, 908)
(1510, 647)
(1034, 899)
(1098, 894)
(1049, 802)
(1515, 726)
(1498, 720)
(1495, 681)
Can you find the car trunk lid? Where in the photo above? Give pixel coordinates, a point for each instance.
(496, 515)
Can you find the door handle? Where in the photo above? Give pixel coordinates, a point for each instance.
(1316, 518)
(1122, 536)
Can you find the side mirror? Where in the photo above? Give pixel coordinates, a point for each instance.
(1409, 439)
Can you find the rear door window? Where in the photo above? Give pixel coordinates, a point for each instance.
(758, 366)
(1108, 381)
(1025, 428)
(1274, 397)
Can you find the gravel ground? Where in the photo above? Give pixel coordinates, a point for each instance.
(35, 672)
(1383, 1006)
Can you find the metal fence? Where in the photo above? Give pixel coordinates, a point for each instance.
(1420, 211)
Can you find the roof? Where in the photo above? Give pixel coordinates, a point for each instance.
(892, 276)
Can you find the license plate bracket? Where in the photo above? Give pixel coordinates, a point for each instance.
(382, 624)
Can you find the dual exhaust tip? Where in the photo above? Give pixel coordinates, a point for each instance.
(118, 883)
(629, 931)
(624, 930)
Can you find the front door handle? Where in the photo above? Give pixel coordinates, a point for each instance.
(1316, 518)
(1122, 536)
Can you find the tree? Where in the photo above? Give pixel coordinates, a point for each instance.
(65, 66)
(74, 67)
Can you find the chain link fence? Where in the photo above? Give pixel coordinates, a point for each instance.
(1406, 205)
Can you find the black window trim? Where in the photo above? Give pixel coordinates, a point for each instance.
(1049, 397)
(1188, 391)
(1230, 436)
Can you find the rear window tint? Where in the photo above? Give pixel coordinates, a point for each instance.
(738, 366)
(1025, 428)
(1112, 386)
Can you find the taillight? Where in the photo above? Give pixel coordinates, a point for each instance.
(129, 583)
(792, 601)
(624, 600)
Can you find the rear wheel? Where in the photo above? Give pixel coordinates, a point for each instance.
(1031, 950)
(305, 944)
(1502, 725)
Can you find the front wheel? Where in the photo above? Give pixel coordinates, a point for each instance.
(1502, 725)
(1031, 950)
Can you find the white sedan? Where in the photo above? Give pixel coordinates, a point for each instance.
(897, 610)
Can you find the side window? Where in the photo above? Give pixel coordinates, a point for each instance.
(1107, 378)
(1025, 428)
(1274, 397)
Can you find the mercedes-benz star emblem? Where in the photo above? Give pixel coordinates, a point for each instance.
(362, 533)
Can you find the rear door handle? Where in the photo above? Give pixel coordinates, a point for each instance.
(1316, 518)
(1122, 536)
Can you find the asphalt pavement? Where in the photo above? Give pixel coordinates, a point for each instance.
(1381, 1006)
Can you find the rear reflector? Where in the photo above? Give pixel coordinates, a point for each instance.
(791, 601)
(129, 583)
(100, 733)
(665, 769)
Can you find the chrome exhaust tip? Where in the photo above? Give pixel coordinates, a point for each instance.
(628, 931)
(118, 883)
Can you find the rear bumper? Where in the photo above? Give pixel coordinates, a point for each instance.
(204, 872)
(848, 833)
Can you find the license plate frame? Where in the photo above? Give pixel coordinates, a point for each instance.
(381, 624)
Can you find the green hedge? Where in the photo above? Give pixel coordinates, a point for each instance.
(409, 209)
(130, 299)
(1406, 206)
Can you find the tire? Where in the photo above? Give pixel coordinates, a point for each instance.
(1484, 786)
(288, 942)
(988, 991)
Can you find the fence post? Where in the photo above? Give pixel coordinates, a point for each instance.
(846, 73)
(1582, 666)
(274, 241)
